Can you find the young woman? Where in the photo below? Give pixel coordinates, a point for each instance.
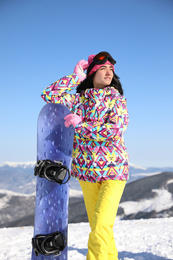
(100, 159)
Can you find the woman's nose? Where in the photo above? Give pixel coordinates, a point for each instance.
(108, 72)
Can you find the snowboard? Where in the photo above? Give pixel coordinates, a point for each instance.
(54, 142)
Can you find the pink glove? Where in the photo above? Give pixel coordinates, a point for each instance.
(72, 119)
(79, 69)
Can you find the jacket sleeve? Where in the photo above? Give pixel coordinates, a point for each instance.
(113, 129)
(58, 92)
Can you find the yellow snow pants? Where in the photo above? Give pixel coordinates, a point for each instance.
(101, 202)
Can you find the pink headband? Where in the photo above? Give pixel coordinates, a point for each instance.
(97, 66)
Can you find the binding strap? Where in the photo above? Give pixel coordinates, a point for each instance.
(52, 171)
(50, 244)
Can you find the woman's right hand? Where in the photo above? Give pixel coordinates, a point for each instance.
(79, 69)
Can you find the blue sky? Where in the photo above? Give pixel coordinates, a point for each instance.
(42, 40)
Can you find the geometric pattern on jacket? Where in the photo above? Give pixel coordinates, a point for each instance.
(99, 152)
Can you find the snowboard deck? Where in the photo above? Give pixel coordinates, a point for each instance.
(54, 142)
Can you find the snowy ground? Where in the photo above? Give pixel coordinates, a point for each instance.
(136, 240)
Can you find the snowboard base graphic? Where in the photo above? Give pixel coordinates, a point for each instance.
(55, 143)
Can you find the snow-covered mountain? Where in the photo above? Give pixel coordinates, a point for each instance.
(149, 197)
(18, 177)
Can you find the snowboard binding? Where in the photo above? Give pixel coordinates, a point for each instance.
(50, 244)
(52, 171)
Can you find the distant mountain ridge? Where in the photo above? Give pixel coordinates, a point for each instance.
(148, 194)
(149, 197)
(19, 176)
(18, 164)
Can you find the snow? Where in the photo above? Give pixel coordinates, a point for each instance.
(146, 174)
(169, 181)
(13, 193)
(18, 164)
(137, 166)
(162, 201)
(75, 193)
(135, 239)
(72, 193)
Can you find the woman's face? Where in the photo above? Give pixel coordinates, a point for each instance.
(103, 77)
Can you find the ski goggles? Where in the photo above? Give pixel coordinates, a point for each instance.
(99, 59)
(102, 58)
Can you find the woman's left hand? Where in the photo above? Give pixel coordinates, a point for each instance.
(72, 119)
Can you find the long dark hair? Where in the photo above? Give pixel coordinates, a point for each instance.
(88, 83)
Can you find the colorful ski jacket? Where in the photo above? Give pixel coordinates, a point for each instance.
(99, 152)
